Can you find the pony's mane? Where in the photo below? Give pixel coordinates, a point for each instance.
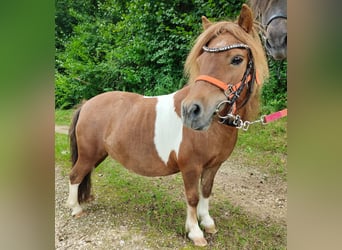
(251, 39)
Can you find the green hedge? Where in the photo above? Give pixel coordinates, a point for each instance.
(138, 46)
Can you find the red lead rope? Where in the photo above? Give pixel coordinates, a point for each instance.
(275, 116)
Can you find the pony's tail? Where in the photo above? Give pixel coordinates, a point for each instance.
(72, 137)
(85, 186)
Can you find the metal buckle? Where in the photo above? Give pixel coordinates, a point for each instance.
(228, 91)
(246, 125)
(237, 121)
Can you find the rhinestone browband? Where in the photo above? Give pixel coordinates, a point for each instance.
(233, 46)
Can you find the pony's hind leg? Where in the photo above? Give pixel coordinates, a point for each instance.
(207, 181)
(80, 184)
(87, 152)
(72, 202)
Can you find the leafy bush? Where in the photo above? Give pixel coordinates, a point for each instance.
(274, 91)
(138, 46)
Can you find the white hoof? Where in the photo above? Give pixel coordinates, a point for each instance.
(201, 242)
(211, 230)
(196, 235)
(76, 210)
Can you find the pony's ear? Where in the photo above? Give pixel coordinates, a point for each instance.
(205, 22)
(246, 18)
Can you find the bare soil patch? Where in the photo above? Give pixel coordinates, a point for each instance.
(91, 232)
(256, 193)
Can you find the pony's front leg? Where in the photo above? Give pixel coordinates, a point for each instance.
(191, 226)
(203, 214)
(207, 181)
(191, 181)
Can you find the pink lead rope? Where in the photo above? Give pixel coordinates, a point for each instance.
(244, 125)
(275, 116)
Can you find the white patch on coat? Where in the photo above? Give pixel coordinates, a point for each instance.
(168, 129)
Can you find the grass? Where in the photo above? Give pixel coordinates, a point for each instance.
(157, 205)
(264, 146)
(63, 117)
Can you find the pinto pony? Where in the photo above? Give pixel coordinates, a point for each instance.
(147, 134)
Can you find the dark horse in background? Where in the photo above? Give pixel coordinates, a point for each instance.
(272, 14)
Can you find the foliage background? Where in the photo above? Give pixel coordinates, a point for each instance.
(138, 46)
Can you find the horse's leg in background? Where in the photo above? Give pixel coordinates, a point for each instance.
(191, 183)
(207, 181)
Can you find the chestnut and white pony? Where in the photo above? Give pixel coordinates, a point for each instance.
(147, 134)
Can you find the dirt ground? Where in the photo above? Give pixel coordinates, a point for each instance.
(258, 194)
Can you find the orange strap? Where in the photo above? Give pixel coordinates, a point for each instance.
(218, 83)
(212, 80)
(223, 85)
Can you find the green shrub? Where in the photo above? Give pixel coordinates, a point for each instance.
(66, 92)
(138, 46)
(274, 91)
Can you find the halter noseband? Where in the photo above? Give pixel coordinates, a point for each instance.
(272, 18)
(232, 91)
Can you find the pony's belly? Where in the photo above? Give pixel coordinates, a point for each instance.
(153, 170)
(149, 166)
(140, 154)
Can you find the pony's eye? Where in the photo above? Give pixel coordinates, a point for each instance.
(237, 60)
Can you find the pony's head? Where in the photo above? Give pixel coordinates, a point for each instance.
(223, 65)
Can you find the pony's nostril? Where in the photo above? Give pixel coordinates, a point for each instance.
(194, 111)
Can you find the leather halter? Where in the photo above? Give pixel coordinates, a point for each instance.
(232, 91)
